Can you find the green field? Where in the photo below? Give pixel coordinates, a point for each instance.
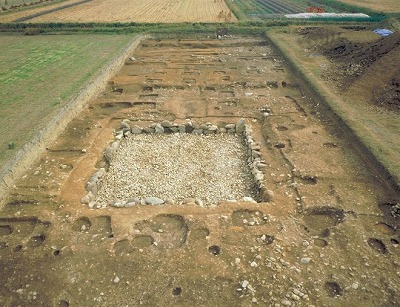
(9, 3)
(39, 74)
(262, 9)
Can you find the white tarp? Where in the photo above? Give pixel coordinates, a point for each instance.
(326, 15)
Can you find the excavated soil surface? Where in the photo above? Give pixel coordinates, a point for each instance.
(328, 236)
(355, 60)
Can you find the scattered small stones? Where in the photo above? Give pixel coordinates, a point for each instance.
(305, 260)
(355, 286)
(116, 280)
(245, 284)
(153, 201)
(266, 239)
(127, 184)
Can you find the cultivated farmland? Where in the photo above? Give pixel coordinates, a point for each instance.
(14, 3)
(255, 9)
(387, 6)
(12, 15)
(38, 75)
(164, 11)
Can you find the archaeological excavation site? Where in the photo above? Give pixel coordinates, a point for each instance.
(204, 172)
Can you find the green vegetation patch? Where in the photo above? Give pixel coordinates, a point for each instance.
(39, 74)
(262, 9)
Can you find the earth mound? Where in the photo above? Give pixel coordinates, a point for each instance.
(370, 66)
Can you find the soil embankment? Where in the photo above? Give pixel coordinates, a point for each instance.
(369, 128)
(32, 150)
(369, 66)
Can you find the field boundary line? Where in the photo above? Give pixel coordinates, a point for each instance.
(32, 150)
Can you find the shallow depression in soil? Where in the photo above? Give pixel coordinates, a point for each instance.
(212, 168)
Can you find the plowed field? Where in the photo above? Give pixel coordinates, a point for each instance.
(163, 11)
(379, 6)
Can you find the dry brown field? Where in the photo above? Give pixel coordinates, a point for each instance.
(388, 6)
(10, 15)
(163, 11)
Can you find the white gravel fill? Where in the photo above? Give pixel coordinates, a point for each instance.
(179, 166)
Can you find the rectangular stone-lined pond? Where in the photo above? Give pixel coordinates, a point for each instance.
(179, 166)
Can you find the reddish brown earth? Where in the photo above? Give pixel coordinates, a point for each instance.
(330, 236)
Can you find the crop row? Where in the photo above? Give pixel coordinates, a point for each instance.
(266, 8)
(165, 11)
(280, 7)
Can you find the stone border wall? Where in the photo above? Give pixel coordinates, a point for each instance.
(165, 127)
(31, 151)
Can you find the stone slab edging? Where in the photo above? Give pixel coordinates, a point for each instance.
(32, 150)
(254, 161)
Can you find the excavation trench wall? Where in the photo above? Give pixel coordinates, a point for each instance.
(375, 165)
(31, 151)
